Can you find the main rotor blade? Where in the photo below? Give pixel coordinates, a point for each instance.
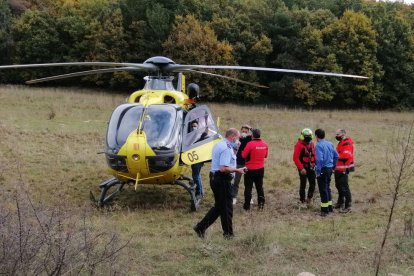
(226, 77)
(138, 66)
(180, 68)
(83, 73)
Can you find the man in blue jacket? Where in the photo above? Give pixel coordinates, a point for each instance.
(326, 157)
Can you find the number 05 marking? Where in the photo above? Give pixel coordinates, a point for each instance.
(192, 156)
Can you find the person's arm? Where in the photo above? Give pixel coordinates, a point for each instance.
(335, 156)
(313, 159)
(224, 162)
(319, 159)
(296, 155)
(226, 169)
(246, 151)
(347, 153)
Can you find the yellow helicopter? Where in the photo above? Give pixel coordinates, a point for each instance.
(149, 139)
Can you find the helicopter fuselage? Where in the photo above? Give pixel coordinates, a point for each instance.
(145, 136)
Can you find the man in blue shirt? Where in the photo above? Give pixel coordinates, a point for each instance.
(223, 168)
(326, 157)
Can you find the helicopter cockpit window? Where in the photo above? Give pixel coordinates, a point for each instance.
(124, 120)
(159, 83)
(161, 126)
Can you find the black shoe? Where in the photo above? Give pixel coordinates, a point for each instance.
(228, 236)
(246, 207)
(200, 233)
(345, 210)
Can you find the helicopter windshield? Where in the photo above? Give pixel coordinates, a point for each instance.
(161, 125)
(124, 119)
(159, 83)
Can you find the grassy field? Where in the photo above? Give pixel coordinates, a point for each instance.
(49, 144)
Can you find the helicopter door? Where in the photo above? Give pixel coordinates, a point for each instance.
(197, 143)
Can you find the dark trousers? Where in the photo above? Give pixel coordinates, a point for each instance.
(311, 178)
(236, 182)
(196, 173)
(223, 204)
(324, 181)
(344, 193)
(256, 177)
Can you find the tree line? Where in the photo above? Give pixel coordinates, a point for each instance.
(362, 37)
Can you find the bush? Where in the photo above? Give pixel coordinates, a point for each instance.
(36, 240)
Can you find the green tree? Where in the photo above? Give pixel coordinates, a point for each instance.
(313, 55)
(352, 40)
(36, 39)
(337, 7)
(202, 10)
(5, 32)
(93, 31)
(395, 47)
(5, 37)
(194, 43)
(147, 25)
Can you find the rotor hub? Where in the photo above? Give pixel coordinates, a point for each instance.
(159, 61)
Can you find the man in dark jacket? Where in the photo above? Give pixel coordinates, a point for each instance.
(304, 158)
(245, 137)
(255, 154)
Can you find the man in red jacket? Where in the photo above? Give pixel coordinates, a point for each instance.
(254, 153)
(304, 157)
(344, 165)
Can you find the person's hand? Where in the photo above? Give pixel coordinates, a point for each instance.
(241, 170)
(303, 171)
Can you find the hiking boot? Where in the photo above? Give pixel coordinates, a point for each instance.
(302, 205)
(309, 202)
(200, 233)
(228, 236)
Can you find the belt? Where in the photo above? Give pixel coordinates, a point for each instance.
(218, 173)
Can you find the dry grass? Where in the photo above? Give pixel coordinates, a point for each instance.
(49, 141)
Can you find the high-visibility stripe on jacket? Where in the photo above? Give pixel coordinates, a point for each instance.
(304, 154)
(345, 149)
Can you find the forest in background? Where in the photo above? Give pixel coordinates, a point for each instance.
(363, 37)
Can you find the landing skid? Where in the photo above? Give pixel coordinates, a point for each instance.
(194, 201)
(117, 186)
(106, 186)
